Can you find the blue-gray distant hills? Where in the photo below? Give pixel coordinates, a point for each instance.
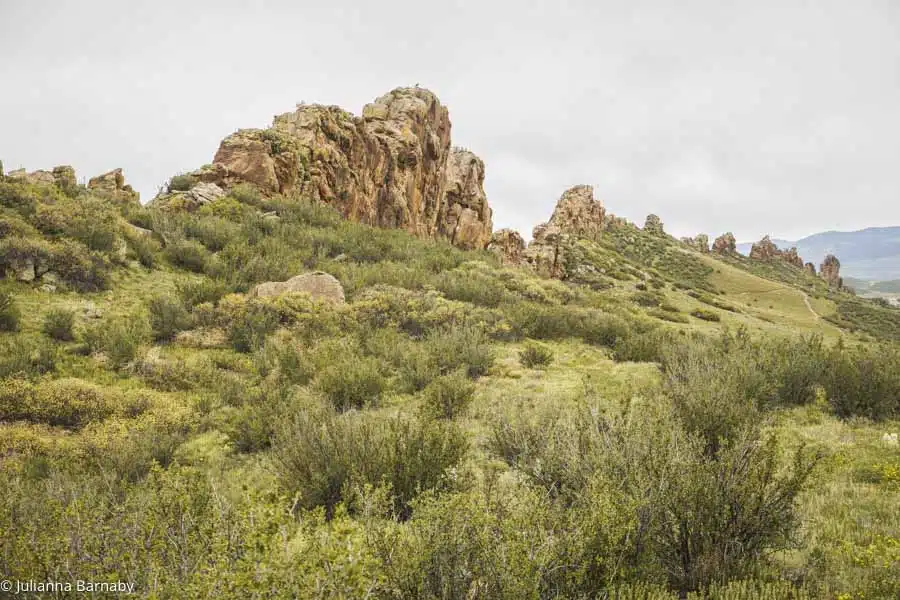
(871, 254)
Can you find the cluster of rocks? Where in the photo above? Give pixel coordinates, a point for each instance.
(391, 167)
(766, 250)
(62, 176)
(653, 224)
(725, 244)
(576, 215)
(108, 185)
(112, 185)
(318, 284)
(699, 243)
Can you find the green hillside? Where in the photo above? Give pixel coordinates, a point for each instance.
(661, 423)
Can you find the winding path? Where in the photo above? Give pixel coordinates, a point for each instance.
(809, 306)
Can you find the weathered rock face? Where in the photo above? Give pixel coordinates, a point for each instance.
(392, 167)
(830, 271)
(577, 213)
(544, 253)
(766, 250)
(810, 268)
(725, 244)
(653, 224)
(112, 184)
(318, 284)
(63, 176)
(467, 220)
(508, 245)
(699, 243)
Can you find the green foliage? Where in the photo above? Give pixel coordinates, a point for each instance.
(61, 402)
(323, 456)
(58, 324)
(250, 325)
(448, 396)
(351, 381)
(9, 312)
(188, 254)
(118, 338)
(706, 315)
(535, 355)
(26, 356)
(182, 183)
(864, 381)
(460, 347)
(198, 291)
(167, 317)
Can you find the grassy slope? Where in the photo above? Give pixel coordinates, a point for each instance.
(844, 510)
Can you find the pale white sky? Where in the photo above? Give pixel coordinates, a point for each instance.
(772, 116)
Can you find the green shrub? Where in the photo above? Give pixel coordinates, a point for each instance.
(672, 317)
(246, 193)
(58, 324)
(642, 347)
(705, 315)
(249, 327)
(182, 183)
(448, 395)
(119, 338)
(351, 381)
(251, 428)
(460, 347)
(167, 317)
(188, 254)
(864, 381)
(325, 456)
(60, 402)
(198, 291)
(9, 312)
(535, 355)
(26, 356)
(647, 299)
(143, 248)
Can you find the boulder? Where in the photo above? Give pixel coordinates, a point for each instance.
(508, 245)
(725, 244)
(391, 167)
(204, 192)
(318, 284)
(830, 271)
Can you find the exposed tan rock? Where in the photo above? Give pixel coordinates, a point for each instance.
(699, 243)
(654, 225)
(391, 167)
(467, 223)
(577, 213)
(830, 271)
(766, 250)
(318, 284)
(508, 245)
(112, 185)
(725, 244)
(62, 176)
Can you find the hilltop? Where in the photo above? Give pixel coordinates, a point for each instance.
(312, 369)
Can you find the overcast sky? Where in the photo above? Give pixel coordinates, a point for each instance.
(781, 116)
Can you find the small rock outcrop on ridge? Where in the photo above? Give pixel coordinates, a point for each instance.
(810, 268)
(112, 184)
(830, 271)
(766, 250)
(653, 224)
(699, 243)
(391, 167)
(318, 284)
(63, 176)
(725, 244)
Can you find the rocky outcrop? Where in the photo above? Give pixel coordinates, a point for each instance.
(112, 185)
(576, 213)
(509, 246)
(391, 167)
(653, 224)
(699, 243)
(766, 250)
(810, 268)
(725, 244)
(544, 253)
(62, 176)
(467, 217)
(830, 271)
(318, 284)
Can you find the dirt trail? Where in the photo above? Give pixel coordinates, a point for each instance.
(809, 306)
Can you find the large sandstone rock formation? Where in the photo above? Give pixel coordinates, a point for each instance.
(318, 284)
(391, 167)
(725, 244)
(700, 243)
(830, 271)
(766, 250)
(653, 224)
(810, 268)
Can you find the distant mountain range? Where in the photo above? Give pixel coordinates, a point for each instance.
(871, 254)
